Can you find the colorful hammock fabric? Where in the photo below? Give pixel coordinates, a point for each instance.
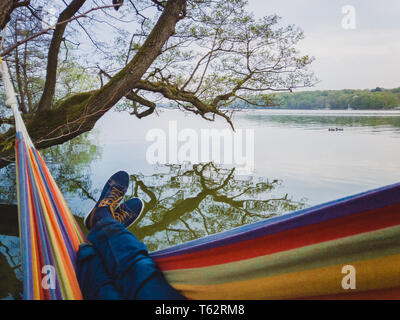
(295, 256)
(49, 234)
(298, 255)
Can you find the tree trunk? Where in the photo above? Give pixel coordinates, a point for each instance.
(6, 7)
(80, 112)
(52, 59)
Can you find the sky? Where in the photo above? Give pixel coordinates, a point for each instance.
(358, 48)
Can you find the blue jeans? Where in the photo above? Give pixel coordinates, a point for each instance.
(117, 266)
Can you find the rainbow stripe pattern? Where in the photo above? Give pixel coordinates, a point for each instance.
(50, 236)
(302, 255)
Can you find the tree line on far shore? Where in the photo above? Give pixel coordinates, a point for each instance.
(375, 99)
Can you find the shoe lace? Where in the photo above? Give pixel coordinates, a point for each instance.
(120, 215)
(113, 199)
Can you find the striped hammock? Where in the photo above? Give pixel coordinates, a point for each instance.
(345, 249)
(304, 254)
(49, 234)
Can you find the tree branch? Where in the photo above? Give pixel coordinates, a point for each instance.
(46, 30)
(92, 105)
(171, 92)
(52, 57)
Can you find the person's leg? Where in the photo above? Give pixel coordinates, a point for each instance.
(123, 256)
(157, 288)
(94, 281)
(126, 259)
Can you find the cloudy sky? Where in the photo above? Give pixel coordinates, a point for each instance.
(365, 57)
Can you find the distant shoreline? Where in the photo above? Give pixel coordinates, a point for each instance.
(379, 99)
(348, 99)
(395, 110)
(308, 109)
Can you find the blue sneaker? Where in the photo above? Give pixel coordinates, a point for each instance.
(112, 194)
(129, 212)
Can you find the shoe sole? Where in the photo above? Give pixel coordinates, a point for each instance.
(140, 213)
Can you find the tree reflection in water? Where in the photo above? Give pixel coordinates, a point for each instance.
(189, 202)
(182, 202)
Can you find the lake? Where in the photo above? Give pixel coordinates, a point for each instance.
(300, 159)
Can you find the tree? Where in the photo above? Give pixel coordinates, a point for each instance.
(26, 62)
(339, 99)
(200, 55)
(6, 8)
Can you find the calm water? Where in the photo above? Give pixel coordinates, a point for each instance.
(300, 159)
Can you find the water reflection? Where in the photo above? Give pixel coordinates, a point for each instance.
(185, 202)
(10, 284)
(189, 202)
(10, 267)
(182, 202)
(317, 119)
(68, 163)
